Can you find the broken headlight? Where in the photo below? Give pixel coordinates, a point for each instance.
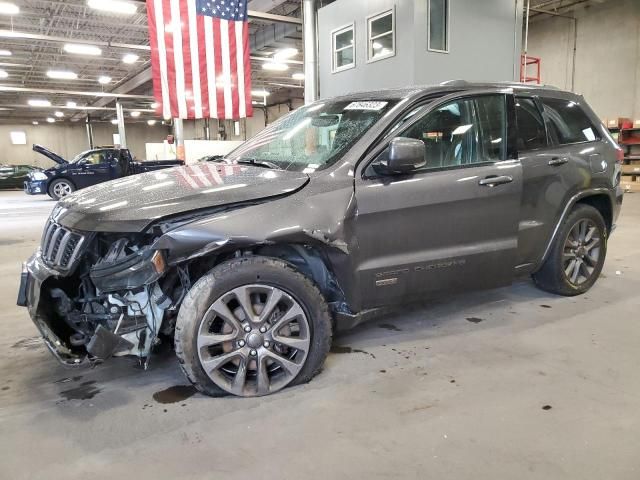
(119, 270)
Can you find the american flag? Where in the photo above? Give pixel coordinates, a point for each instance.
(200, 58)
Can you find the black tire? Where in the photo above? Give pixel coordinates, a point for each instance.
(241, 272)
(56, 186)
(552, 277)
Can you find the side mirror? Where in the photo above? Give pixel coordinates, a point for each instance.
(405, 155)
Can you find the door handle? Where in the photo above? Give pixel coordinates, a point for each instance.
(493, 180)
(555, 161)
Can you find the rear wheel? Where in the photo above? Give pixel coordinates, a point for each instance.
(577, 254)
(251, 327)
(60, 188)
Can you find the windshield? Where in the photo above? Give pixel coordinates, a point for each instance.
(79, 156)
(313, 137)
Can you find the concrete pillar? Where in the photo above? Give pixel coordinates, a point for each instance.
(89, 131)
(207, 130)
(178, 133)
(310, 36)
(121, 131)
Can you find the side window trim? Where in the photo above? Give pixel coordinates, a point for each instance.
(334, 52)
(372, 154)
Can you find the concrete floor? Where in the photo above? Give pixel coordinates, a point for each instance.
(511, 383)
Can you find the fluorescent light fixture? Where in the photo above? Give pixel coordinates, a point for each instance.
(72, 104)
(114, 6)
(135, 114)
(51, 120)
(151, 123)
(275, 66)
(155, 105)
(259, 93)
(3, 74)
(114, 121)
(5, 53)
(39, 103)
(82, 49)
(104, 79)
(62, 74)
(8, 8)
(130, 58)
(298, 76)
(284, 54)
(34, 122)
(59, 114)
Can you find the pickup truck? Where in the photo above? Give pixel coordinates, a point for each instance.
(87, 168)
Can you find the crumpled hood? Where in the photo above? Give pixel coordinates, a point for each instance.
(130, 204)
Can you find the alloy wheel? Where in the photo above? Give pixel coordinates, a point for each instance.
(61, 189)
(581, 252)
(253, 340)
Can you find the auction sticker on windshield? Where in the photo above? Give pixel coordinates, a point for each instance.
(366, 106)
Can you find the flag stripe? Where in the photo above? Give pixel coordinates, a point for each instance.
(162, 54)
(211, 67)
(219, 78)
(226, 68)
(155, 51)
(202, 62)
(171, 65)
(247, 70)
(233, 69)
(176, 38)
(194, 74)
(186, 54)
(239, 36)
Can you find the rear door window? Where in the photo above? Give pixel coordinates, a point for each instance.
(532, 134)
(567, 122)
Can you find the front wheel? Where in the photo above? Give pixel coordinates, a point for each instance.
(251, 327)
(577, 254)
(60, 188)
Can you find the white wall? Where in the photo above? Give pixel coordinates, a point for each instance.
(607, 66)
(67, 140)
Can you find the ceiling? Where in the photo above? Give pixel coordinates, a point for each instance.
(56, 22)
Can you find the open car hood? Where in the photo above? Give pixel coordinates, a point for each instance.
(49, 154)
(130, 204)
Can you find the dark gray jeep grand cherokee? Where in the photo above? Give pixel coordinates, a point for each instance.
(341, 207)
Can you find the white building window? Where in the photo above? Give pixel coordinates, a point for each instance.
(439, 26)
(381, 36)
(343, 49)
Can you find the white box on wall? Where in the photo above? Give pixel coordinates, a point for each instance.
(18, 137)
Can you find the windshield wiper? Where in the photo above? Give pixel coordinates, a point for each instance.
(258, 163)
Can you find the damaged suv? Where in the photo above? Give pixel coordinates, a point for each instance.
(340, 208)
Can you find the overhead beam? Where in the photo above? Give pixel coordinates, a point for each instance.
(273, 18)
(64, 107)
(52, 38)
(124, 96)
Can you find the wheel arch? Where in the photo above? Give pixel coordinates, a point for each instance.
(602, 203)
(599, 198)
(311, 260)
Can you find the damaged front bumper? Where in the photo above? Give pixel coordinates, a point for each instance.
(34, 274)
(75, 337)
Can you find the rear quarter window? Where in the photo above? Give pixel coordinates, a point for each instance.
(568, 123)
